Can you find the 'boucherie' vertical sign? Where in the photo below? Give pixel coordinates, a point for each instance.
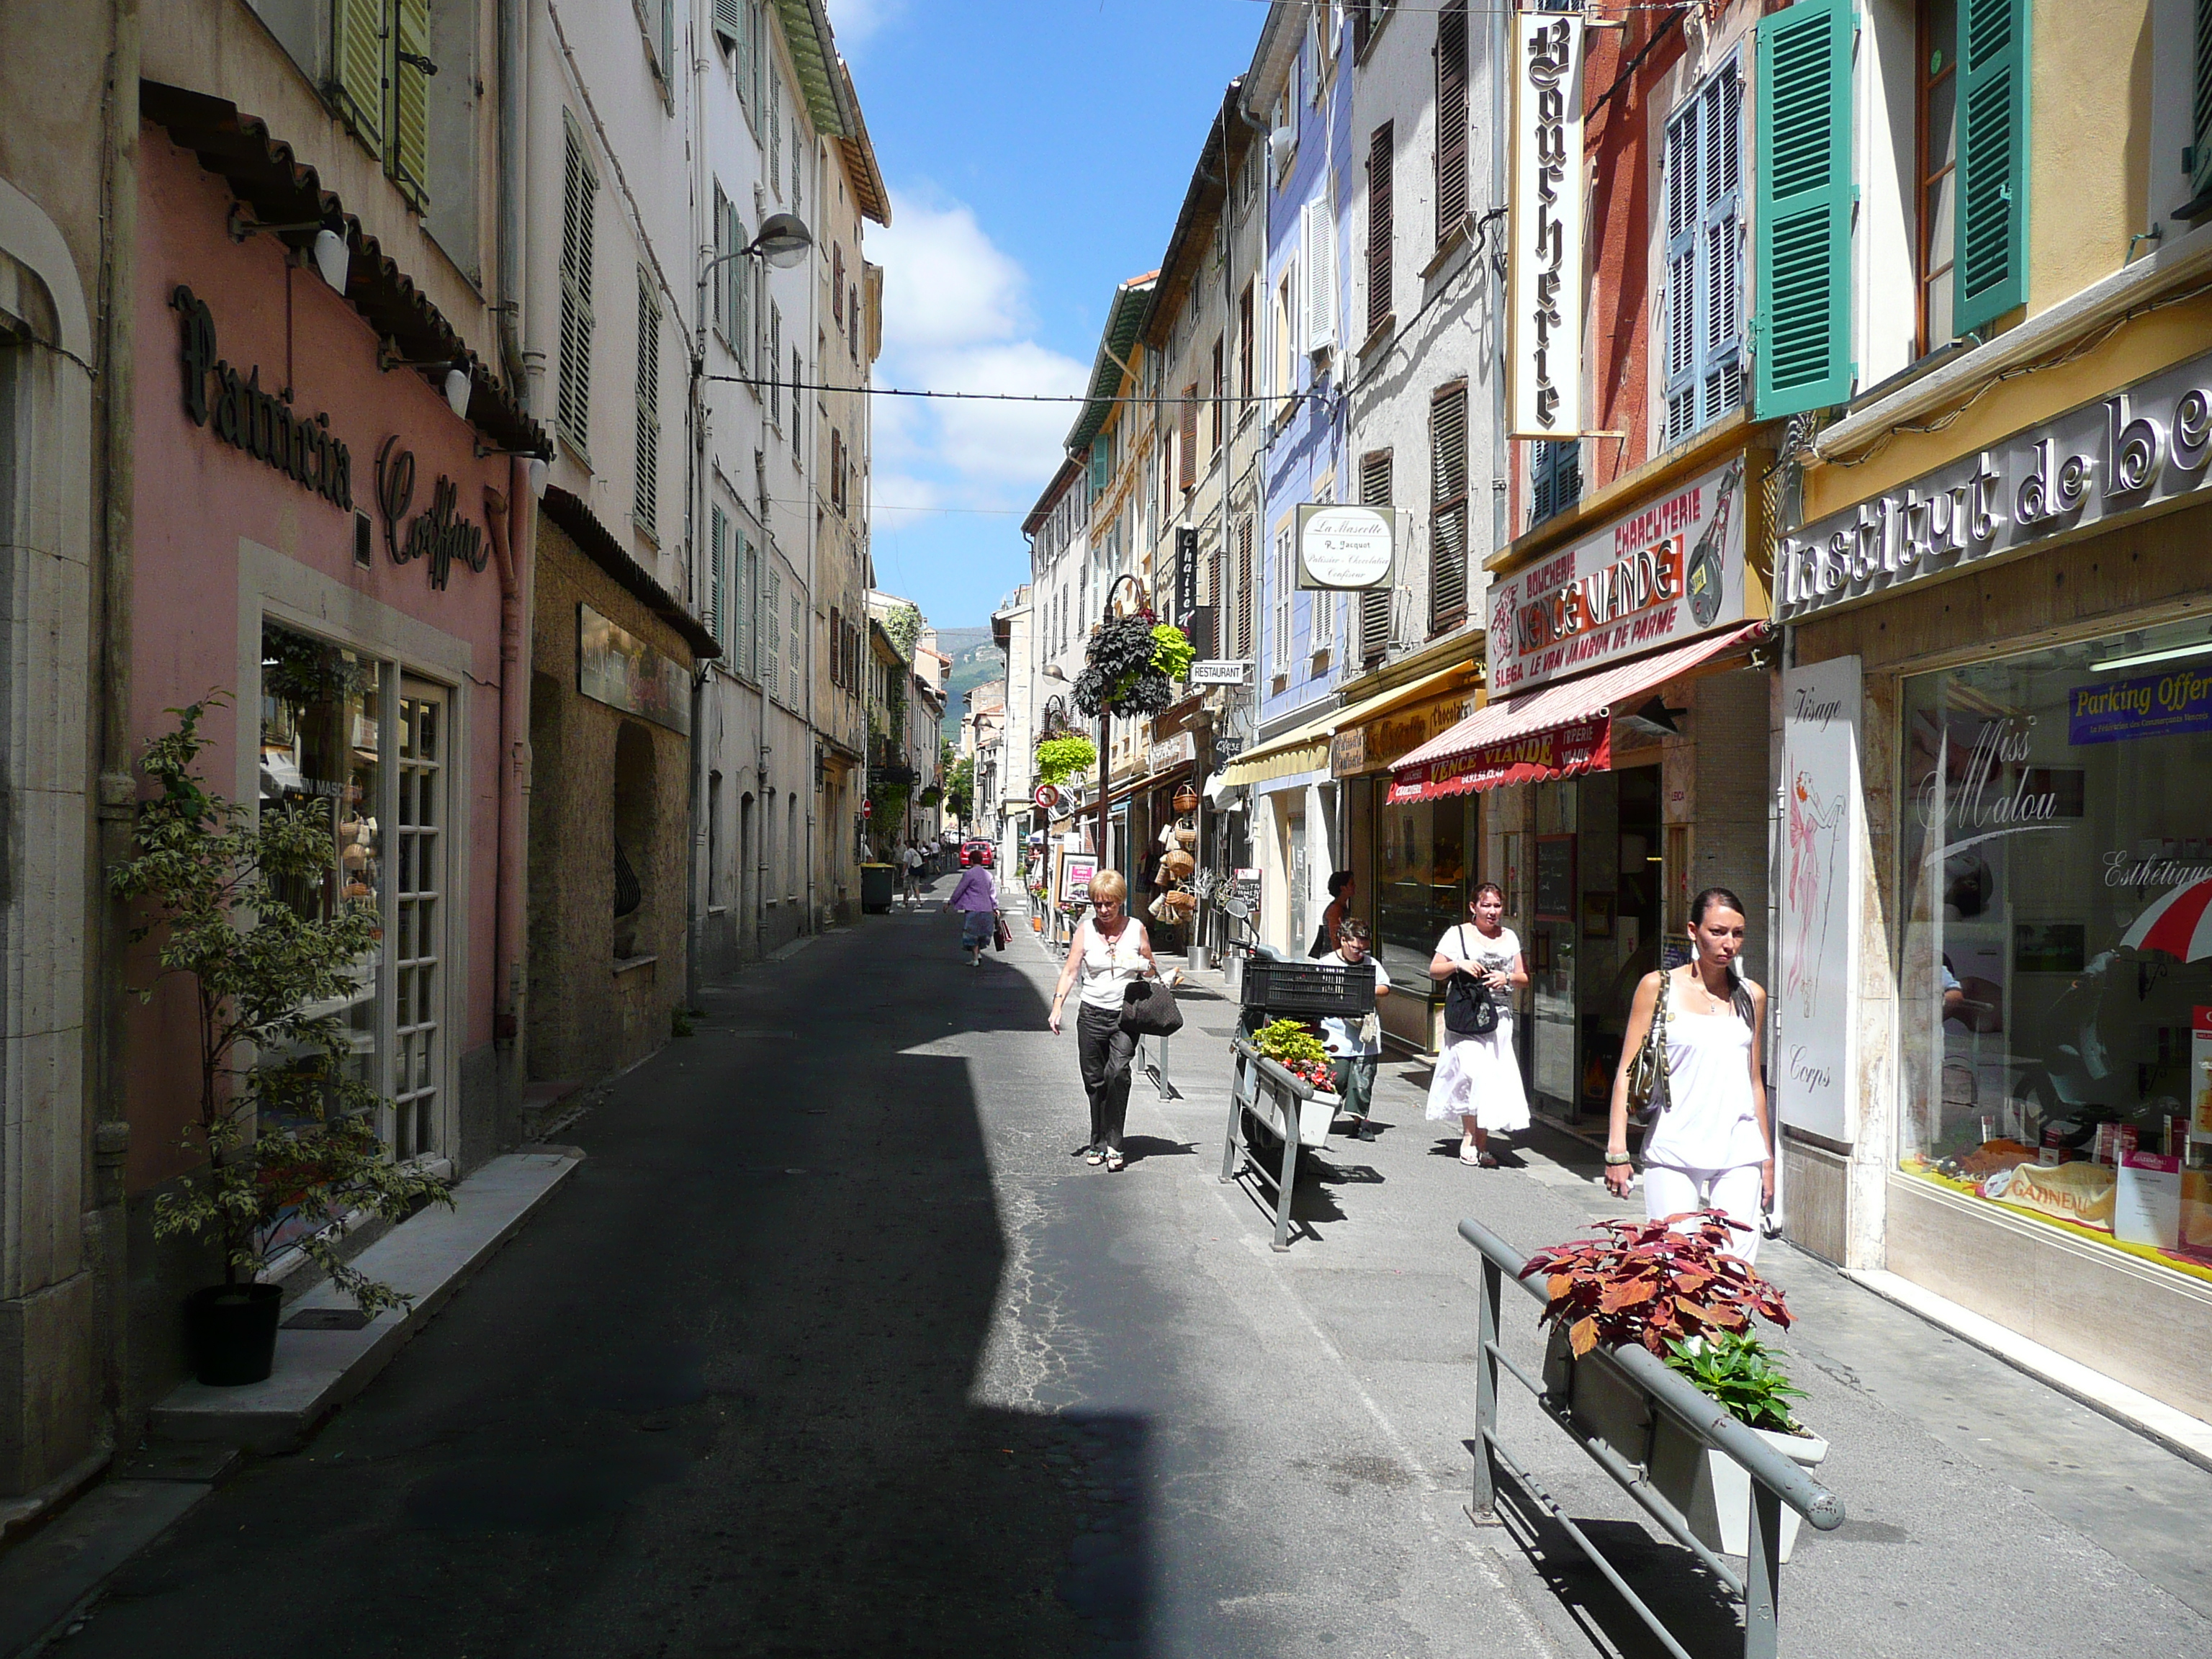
(1545, 266)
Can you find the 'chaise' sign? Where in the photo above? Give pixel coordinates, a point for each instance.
(1544, 272)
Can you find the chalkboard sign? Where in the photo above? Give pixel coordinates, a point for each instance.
(1555, 878)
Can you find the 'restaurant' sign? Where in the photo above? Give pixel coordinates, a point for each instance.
(1561, 753)
(1656, 577)
(2135, 450)
(1544, 265)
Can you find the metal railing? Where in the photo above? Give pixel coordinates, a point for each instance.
(1254, 1072)
(1775, 1480)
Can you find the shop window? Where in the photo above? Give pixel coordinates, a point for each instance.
(636, 812)
(2056, 1004)
(419, 955)
(1423, 868)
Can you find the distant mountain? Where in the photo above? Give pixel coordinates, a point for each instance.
(975, 661)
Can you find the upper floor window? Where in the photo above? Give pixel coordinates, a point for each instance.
(1555, 480)
(1935, 172)
(1704, 205)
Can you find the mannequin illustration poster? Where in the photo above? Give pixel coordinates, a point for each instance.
(1816, 958)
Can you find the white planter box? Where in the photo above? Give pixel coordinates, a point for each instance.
(1711, 1490)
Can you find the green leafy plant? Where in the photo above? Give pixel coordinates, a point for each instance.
(1735, 1369)
(1172, 651)
(1643, 1281)
(1291, 1044)
(1059, 759)
(901, 625)
(960, 789)
(243, 901)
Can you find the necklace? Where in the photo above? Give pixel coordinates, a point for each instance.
(1713, 1004)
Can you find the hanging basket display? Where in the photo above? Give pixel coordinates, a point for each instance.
(1126, 670)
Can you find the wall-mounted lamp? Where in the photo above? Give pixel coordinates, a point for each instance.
(457, 388)
(539, 471)
(333, 258)
(1656, 720)
(458, 384)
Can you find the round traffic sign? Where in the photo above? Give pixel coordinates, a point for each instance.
(1046, 797)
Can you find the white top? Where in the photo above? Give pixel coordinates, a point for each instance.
(1709, 1123)
(1342, 1034)
(1107, 973)
(1468, 942)
(912, 858)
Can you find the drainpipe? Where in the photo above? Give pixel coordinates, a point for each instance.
(511, 516)
(1260, 467)
(513, 175)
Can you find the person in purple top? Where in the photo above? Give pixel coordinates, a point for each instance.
(978, 903)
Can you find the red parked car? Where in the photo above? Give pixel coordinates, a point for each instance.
(976, 852)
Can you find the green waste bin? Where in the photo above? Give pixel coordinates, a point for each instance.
(878, 885)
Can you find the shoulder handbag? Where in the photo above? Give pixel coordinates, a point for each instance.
(1647, 1073)
(1321, 946)
(1468, 1010)
(1002, 935)
(1148, 1009)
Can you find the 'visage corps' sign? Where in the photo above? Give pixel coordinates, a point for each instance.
(1663, 574)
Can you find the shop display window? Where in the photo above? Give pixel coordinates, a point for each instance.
(322, 751)
(1423, 869)
(2056, 975)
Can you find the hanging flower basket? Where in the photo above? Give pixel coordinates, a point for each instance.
(1128, 667)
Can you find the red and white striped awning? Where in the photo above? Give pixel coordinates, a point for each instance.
(1554, 732)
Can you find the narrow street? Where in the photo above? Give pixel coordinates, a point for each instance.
(831, 1348)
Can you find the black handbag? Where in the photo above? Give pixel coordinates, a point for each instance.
(1469, 1010)
(1148, 1009)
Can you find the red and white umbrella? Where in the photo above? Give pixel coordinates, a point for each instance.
(2179, 924)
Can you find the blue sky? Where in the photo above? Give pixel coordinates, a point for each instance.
(1036, 153)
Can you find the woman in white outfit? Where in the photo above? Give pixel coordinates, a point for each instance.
(1478, 1079)
(1110, 953)
(1710, 1148)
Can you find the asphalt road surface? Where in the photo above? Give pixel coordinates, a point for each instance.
(831, 1348)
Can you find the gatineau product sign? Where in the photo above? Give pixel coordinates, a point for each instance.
(2131, 453)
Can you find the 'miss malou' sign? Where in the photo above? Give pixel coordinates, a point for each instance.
(2132, 451)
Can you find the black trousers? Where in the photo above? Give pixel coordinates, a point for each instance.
(1104, 1050)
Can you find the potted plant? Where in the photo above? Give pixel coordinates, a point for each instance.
(1293, 1045)
(245, 902)
(1680, 1294)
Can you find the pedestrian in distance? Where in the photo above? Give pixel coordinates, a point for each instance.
(1355, 1043)
(1710, 1147)
(1341, 886)
(1478, 1079)
(1111, 951)
(977, 901)
(911, 860)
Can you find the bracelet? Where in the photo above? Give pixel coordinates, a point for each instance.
(1613, 1160)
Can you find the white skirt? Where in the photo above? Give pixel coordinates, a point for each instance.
(1480, 1077)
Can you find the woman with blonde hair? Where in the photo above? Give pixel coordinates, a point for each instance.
(1111, 951)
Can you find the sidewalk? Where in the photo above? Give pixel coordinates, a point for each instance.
(1971, 1487)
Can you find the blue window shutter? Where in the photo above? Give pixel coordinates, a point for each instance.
(1803, 245)
(1989, 270)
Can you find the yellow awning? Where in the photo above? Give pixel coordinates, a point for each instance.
(1305, 748)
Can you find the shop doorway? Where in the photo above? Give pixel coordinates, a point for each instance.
(419, 891)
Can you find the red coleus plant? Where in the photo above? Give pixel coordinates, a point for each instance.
(1645, 1282)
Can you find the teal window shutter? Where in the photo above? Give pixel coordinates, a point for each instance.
(1803, 240)
(1989, 270)
(2200, 126)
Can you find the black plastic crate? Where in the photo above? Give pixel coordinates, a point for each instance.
(1308, 987)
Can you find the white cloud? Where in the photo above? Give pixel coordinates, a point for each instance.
(855, 21)
(957, 319)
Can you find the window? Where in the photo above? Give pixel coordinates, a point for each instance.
(772, 635)
(719, 552)
(775, 131)
(749, 601)
(1937, 171)
(1318, 243)
(798, 648)
(1282, 363)
(794, 851)
(837, 282)
(580, 203)
(1806, 195)
(797, 401)
(1451, 120)
(1555, 479)
(1246, 646)
(381, 67)
(1102, 463)
(775, 364)
(853, 326)
(1448, 508)
(1379, 273)
(1704, 163)
(1220, 386)
(1281, 617)
(1187, 439)
(1374, 602)
(836, 646)
(718, 886)
(1244, 347)
(729, 270)
(645, 503)
(798, 165)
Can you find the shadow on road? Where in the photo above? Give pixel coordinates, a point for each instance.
(716, 1400)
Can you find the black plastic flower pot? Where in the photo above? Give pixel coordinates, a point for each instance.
(230, 1331)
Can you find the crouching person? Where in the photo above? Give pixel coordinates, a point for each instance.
(1355, 1041)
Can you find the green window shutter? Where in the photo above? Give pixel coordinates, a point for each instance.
(717, 620)
(412, 70)
(357, 67)
(1989, 272)
(2200, 126)
(645, 504)
(1803, 241)
(580, 203)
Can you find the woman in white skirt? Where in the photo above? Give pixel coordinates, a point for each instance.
(1478, 1079)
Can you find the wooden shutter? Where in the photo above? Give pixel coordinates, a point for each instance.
(1448, 516)
(1803, 133)
(836, 646)
(1679, 189)
(1374, 602)
(798, 648)
(412, 70)
(1245, 336)
(645, 501)
(357, 67)
(729, 27)
(717, 617)
(1362, 26)
(1379, 233)
(837, 282)
(771, 628)
(1451, 120)
(1187, 439)
(749, 599)
(1989, 268)
(727, 274)
(1220, 388)
(1555, 479)
(578, 210)
(1243, 596)
(1318, 228)
(2200, 154)
(1720, 273)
